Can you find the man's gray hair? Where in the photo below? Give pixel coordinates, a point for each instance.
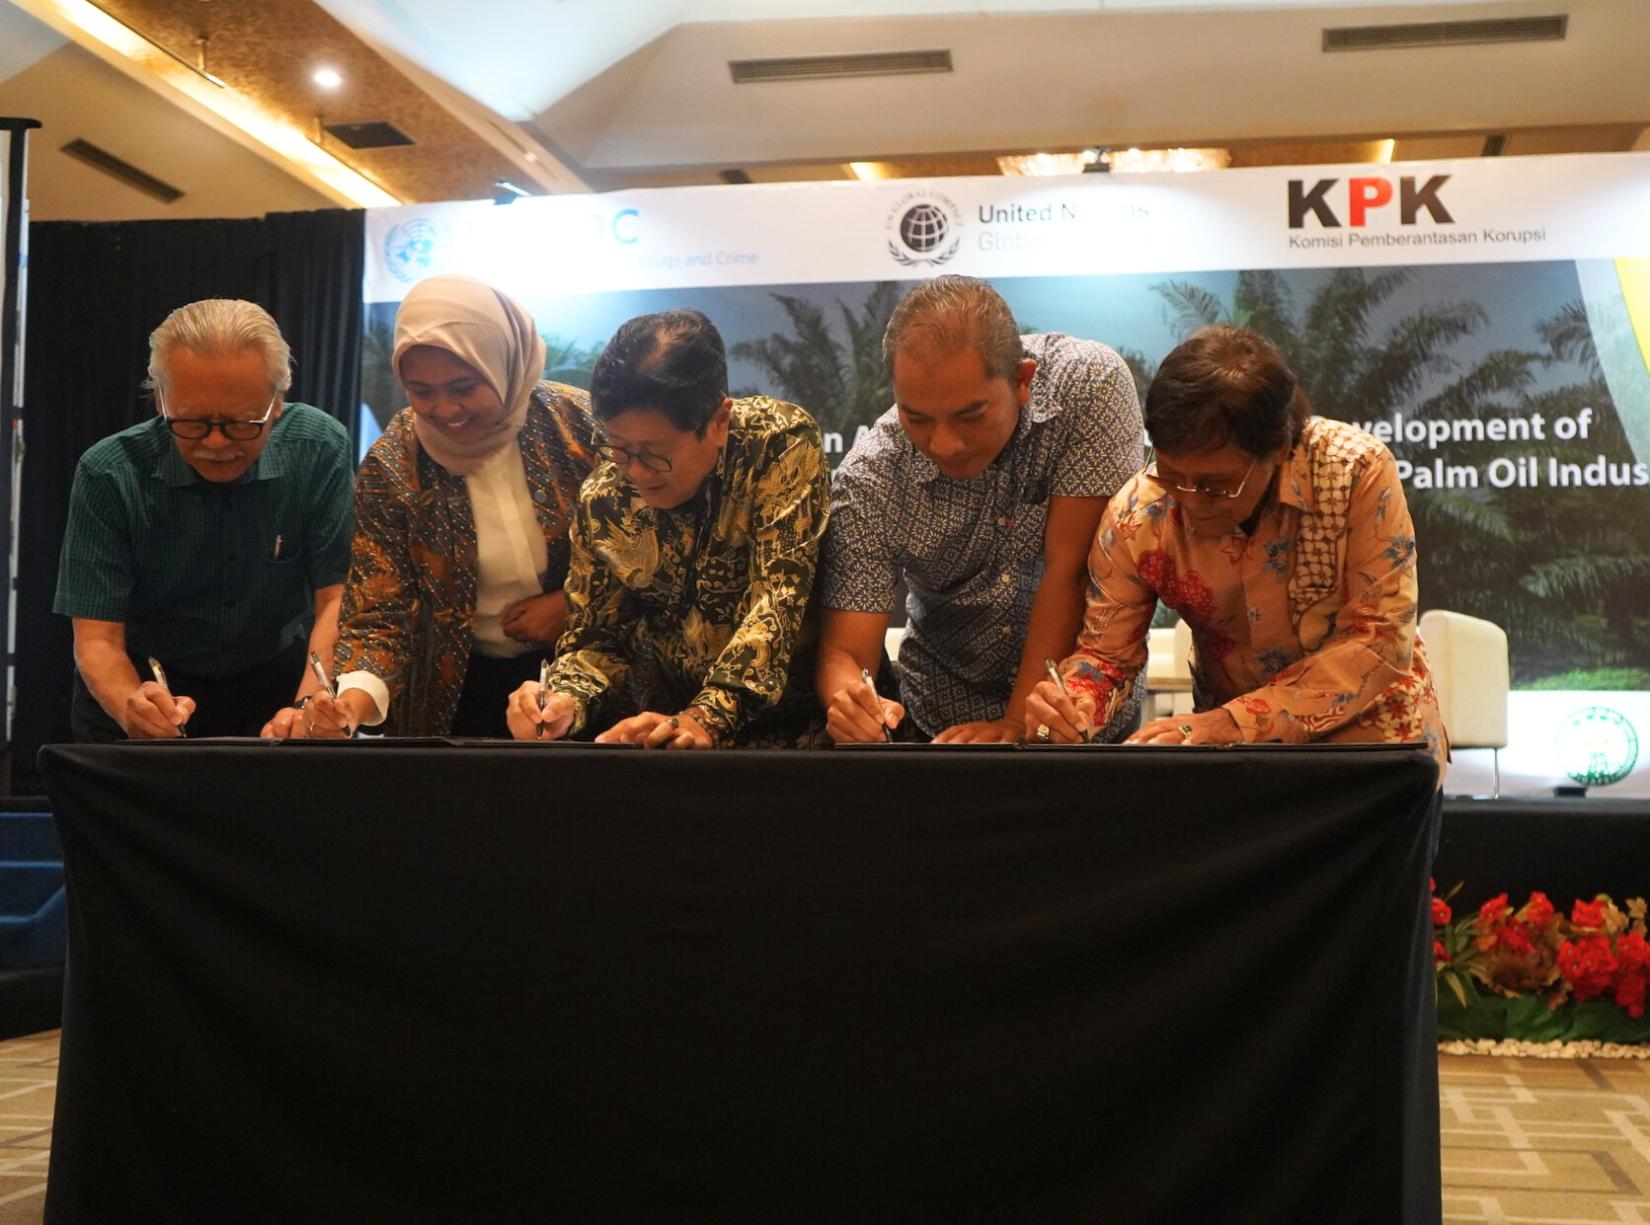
(217, 327)
(950, 313)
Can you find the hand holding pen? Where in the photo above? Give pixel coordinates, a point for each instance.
(876, 700)
(324, 714)
(1054, 716)
(153, 712)
(544, 692)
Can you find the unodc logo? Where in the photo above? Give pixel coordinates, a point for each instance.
(1597, 746)
(411, 248)
(924, 228)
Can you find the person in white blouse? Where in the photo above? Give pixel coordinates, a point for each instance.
(462, 509)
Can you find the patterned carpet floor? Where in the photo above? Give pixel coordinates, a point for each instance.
(1525, 1141)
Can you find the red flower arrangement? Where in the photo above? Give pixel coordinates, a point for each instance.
(1599, 952)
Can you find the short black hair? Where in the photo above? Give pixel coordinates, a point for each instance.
(673, 362)
(1225, 384)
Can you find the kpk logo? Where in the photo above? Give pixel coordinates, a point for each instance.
(924, 227)
(1365, 195)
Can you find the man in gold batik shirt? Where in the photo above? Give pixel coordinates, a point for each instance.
(694, 550)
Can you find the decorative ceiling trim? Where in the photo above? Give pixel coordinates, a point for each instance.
(216, 104)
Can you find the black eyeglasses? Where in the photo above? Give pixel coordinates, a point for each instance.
(621, 456)
(1204, 490)
(196, 428)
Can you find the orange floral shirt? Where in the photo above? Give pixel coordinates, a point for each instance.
(1303, 631)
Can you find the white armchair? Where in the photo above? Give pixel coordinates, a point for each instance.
(1470, 672)
(1168, 671)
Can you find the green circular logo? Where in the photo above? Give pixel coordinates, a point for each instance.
(1597, 746)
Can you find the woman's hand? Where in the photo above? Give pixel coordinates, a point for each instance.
(1211, 727)
(537, 620)
(1055, 717)
(325, 718)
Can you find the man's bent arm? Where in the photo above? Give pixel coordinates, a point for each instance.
(848, 641)
(100, 655)
(850, 645)
(1057, 608)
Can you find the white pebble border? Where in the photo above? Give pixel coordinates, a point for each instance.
(1514, 1048)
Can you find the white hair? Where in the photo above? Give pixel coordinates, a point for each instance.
(217, 327)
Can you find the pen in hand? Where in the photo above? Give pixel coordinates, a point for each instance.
(1054, 675)
(321, 675)
(544, 692)
(328, 688)
(882, 720)
(160, 679)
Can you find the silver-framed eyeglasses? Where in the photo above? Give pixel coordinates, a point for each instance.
(235, 429)
(1206, 491)
(621, 457)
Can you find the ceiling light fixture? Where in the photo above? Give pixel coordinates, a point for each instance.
(327, 78)
(1040, 164)
(207, 98)
(1165, 161)
(870, 172)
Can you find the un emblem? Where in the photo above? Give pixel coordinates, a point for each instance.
(922, 229)
(411, 248)
(1597, 746)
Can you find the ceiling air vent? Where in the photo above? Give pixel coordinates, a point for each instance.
(1446, 33)
(374, 135)
(836, 67)
(115, 168)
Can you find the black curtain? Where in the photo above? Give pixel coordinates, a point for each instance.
(95, 292)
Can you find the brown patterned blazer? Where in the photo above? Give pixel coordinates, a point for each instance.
(409, 603)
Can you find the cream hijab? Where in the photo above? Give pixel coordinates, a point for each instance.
(489, 330)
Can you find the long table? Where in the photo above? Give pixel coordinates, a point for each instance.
(414, 982)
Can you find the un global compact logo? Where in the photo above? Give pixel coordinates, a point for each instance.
(924, 227)
(413, 248)
(1597, 746)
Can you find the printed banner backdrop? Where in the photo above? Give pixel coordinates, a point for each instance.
(1488, 319)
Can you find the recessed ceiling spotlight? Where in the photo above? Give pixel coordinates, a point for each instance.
(327, 78)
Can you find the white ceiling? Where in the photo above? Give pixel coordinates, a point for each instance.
(23, 41)
(638, 92)
(521, 58)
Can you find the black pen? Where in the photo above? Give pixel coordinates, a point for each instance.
(1054, 675)
(865, 675)
(160, 679)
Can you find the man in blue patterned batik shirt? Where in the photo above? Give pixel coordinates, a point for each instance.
(981, 488)
(213, 539)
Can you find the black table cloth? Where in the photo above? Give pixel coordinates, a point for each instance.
(1569, 849)
(406, 983)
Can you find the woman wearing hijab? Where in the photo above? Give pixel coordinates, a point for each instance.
(461, 515)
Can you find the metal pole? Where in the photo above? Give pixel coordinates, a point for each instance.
(12, 300)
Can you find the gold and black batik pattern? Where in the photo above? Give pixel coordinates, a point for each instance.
(705, 604)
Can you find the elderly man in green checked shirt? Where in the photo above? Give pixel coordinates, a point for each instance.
(212, 540)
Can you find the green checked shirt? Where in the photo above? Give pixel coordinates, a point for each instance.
(212, 579)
